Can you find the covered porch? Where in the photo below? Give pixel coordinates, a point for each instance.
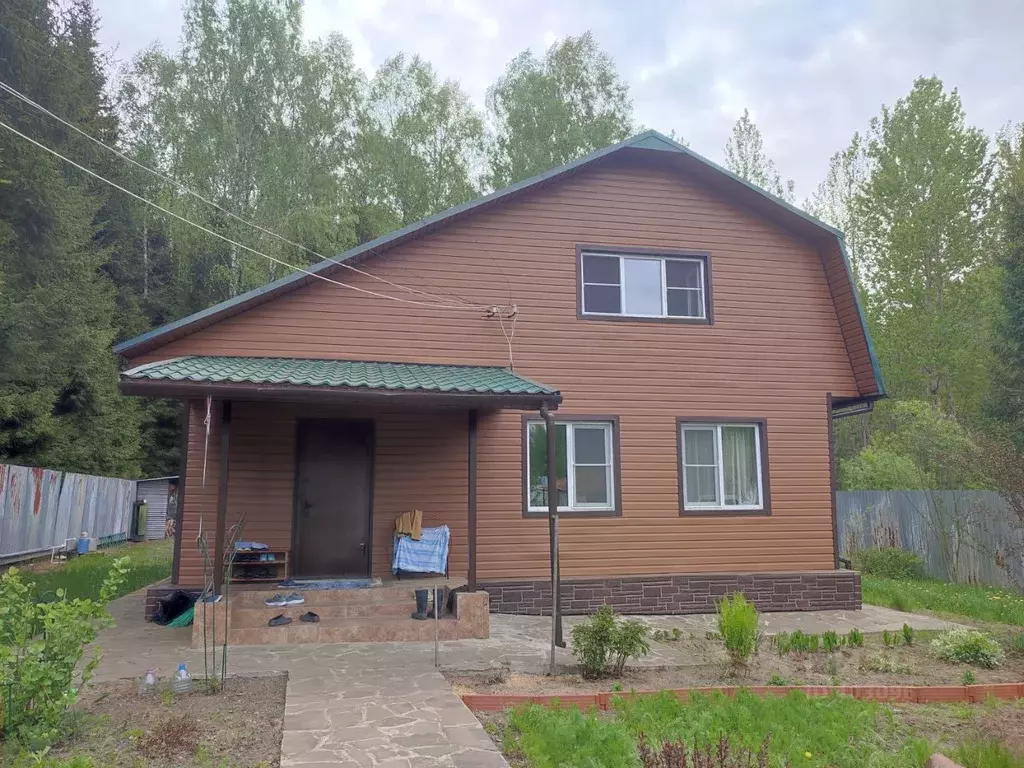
(321, 456)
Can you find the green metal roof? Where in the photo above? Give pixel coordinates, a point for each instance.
(346, 374)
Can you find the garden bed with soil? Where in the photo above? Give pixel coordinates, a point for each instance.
(708, 665)
(114, 726)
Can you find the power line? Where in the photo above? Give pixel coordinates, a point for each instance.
(17, 94)
(219, 236)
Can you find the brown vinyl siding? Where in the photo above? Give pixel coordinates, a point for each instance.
(775, 349)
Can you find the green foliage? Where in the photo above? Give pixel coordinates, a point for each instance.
(666, 636)
(85, 576)
(922, 212)
(889, 562)
(830, 641)
(887, 662)
(802, 642)
(776, 679)
(968, 646)
(737, 626)
(855, 638)
(1006, 404)
(969, 600)
(603, 645)
(985, 753)
(836, 730)
(908, 634)
(744, 156)
(968, 677)
(879, 469)
(891, 639)
(548, 112)
(712, 754)
(565, 738)
(1017, 645)
(41, 644)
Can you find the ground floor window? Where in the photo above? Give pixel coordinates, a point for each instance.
(585, 464)
(722, 466)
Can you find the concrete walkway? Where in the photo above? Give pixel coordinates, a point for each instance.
(385, 704)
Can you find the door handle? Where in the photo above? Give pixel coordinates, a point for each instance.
(306, 506)
(362, 547)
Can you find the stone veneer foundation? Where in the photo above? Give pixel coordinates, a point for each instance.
(683, 593)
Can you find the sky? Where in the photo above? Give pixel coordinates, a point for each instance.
(811, 72)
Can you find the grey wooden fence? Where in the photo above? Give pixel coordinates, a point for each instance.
(41, 508)
(963, 536)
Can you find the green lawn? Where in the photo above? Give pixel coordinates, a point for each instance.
(83, 576)
(968, 600)
(834, 731)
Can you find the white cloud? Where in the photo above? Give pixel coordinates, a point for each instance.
(811, 73)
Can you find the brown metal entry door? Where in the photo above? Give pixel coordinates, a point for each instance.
(333, 481)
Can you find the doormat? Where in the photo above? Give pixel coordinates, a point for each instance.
(319, 584)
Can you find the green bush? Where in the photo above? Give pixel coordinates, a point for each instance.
(737, 626)
(830, 641)
(559, 738)
(968, 646)
(889, 563)
(603, 645)
(41, 644)
(886, 662)
(1017, 645)
(855, 638)
(908, 634)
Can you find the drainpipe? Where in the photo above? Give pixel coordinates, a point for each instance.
(552, 470)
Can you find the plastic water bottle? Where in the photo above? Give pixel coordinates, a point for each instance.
(182, 682)
(148, 682)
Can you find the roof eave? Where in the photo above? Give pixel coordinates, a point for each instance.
(183, 390)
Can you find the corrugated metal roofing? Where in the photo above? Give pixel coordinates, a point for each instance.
(412, 377)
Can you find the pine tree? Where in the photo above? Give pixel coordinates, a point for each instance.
(1007, 403)
(59, 404)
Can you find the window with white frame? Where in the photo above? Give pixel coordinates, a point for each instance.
(644, 286)
(584, 466)
(722, 466)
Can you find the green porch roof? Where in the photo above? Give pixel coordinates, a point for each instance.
(340, 374)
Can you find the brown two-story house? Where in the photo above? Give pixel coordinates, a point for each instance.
(693, 335)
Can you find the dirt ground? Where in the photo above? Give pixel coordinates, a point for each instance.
(238, 727)
(710, 666)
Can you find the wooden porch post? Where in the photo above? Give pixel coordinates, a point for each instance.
(471, 502)
(556, 583)
(832, 477)
(222, 497)
(186, 426)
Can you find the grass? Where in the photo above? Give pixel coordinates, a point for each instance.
(967, 600)
(805, 731)
(83, 576)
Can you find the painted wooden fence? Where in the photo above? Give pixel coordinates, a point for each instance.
(963, 536)
(41, 508)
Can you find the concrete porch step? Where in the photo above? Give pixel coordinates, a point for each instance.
(253, 598)
(252, 618)
(383, 629)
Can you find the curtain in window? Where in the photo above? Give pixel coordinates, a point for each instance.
(739, 466)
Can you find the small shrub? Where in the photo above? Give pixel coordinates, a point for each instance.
(629, 641)
(830, 641)
(804, 643)
(722, 754)
(908, 634)
(855, 638)
(886, 662)
(1017, 645)
(666, 636)
(890, 639)
(968, 677)
(604, 645)
(777, 679)
(890, 563)
(968, 646)
(737, 625)
(783, 643)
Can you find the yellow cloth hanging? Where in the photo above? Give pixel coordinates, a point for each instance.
(410, 524)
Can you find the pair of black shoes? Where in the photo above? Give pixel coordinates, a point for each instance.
(281, 620)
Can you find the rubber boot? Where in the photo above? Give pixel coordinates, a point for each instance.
(421, 605)
(437, 604)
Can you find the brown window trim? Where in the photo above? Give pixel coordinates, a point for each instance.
(766, 488)
(709, 297)
(569, 418)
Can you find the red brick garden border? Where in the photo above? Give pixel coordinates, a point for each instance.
(909, 694)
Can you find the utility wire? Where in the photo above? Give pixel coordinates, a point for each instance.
(17, 94)
(219, 236)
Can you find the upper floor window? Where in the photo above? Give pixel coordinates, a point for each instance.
(641, 285)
